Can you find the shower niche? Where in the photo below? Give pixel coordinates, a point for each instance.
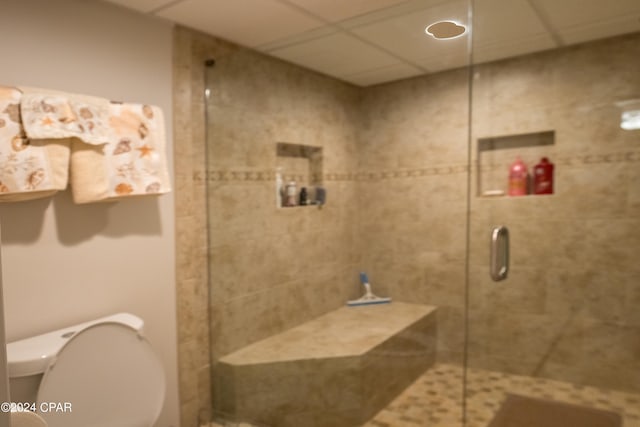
(298, 175)
(496, 154)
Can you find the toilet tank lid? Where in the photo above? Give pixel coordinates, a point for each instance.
(32, 355)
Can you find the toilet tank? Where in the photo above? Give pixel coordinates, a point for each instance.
(28, 359)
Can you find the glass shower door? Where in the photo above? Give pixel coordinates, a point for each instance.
(392, 160)
(558, 338)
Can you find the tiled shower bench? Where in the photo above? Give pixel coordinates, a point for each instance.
(337, 370)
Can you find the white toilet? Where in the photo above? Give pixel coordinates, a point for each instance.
(101, 373)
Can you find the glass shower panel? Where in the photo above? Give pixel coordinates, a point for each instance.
(392, 162)
(560, 337)
(280, 275)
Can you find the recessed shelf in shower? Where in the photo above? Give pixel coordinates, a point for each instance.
(495, 154)
(301, 164)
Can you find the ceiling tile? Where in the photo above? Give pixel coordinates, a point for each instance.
(338, 10)
(598, 30)
(500, 21)
(297, 30)
(298, 38)
(404, 35)
(246, 22)
(505, 28)
(384, 74)
(457, 57)
(405, 8)
(338, 55)
(506, 48)
(145, 6)
(568, 13)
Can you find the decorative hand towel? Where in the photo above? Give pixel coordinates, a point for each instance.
(29, 168)
(133, 163)
(48, 114)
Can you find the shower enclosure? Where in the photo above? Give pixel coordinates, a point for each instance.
(417, 177)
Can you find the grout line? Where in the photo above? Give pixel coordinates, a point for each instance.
(554, 344)
(341, 29)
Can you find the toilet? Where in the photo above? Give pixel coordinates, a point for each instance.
(102, 373)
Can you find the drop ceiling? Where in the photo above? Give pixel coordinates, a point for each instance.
(367, 42)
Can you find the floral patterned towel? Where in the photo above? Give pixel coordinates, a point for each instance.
(29, 168)
(133, 163)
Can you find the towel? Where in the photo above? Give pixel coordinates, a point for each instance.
(29, 168)
(132, 163)
(48, 114)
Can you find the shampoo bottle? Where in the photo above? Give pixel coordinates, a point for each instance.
(543, 177)
(291, 194)
(303, 196)
(518, 178)
(279, 188)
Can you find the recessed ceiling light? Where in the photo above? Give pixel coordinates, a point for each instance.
(444, 30)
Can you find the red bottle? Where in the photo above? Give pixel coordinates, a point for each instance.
(543, 177)
(518, 178)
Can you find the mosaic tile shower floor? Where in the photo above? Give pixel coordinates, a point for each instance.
(434, 399)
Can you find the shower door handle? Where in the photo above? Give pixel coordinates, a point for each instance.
(499, 253)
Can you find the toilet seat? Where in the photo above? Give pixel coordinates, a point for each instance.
(131, 378)
(27, 419)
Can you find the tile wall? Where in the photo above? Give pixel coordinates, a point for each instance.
(194, 372)
(412, 238)
(569, 310)
(273, 268)
(395, 166)
(270, 268)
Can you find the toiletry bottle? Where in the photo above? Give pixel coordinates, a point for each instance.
(321, 196)
(303, 196)
(292, 192)
(279, 187)
(518, 178)
(543, 177)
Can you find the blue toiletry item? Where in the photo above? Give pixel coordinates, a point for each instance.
(363, 278)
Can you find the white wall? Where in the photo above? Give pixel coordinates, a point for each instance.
(4, 384)
(64, 263)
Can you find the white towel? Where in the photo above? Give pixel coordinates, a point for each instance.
(29, 168)
(133, 163)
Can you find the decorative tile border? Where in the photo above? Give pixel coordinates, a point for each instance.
(413, 173)
(234, 176)
(580, 160)
(252, 176)
(590, 159)
(228, 176)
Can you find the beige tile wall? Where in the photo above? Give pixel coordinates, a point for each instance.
(395, 166)
(412, 230)
(574, 280)
(191, 232)
(273, 268)
(270, 268)
(566, 311)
